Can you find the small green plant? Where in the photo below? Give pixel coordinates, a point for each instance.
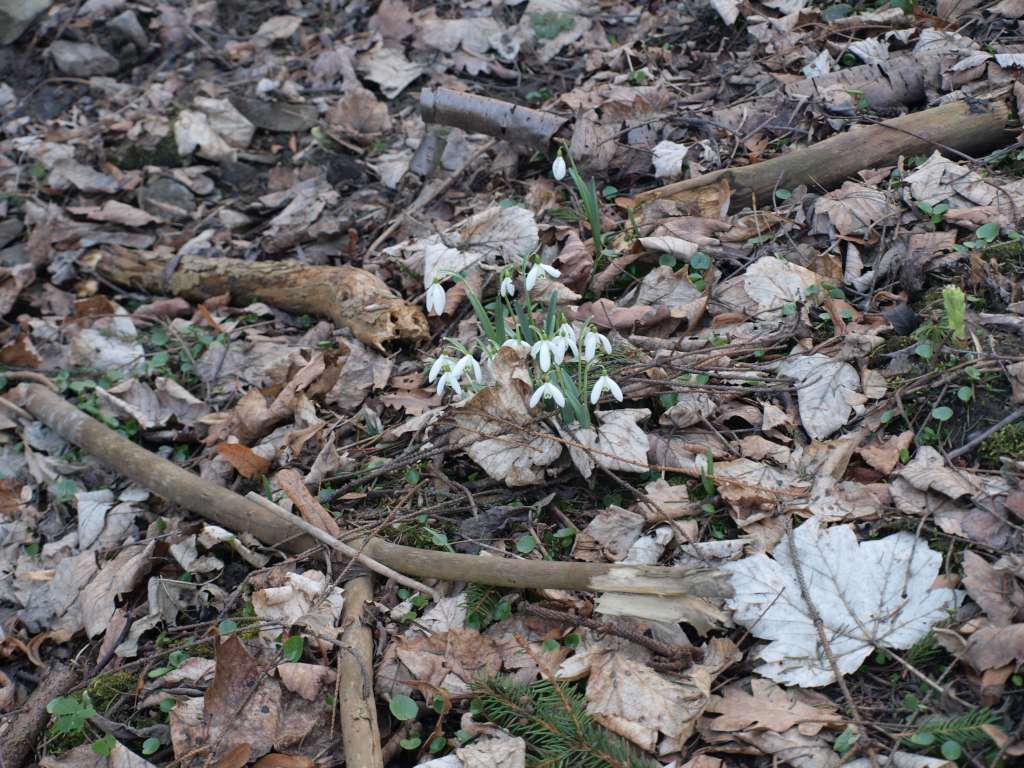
(951, 734)
(552, 718)
(485, 605)
(70, 713)
(935, 212)
(954, 305)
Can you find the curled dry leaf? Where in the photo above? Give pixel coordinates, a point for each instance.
(868, 595)
(636, 702)
(498, 432)
(826, 390)
(769, 707)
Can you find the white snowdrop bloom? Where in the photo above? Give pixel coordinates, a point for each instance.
(468, 361)
(450, 381)
(566, 332)
(435, 299)
(543, 350)
(590, 341)
(443, 363)
(547, 389)
(517, 344)
(558, 168)
(507, 289)
(535, 272)
(602, 384)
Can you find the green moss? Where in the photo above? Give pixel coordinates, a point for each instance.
(107, 688)
(1007, 256)
(1008, 441)
(131, 156)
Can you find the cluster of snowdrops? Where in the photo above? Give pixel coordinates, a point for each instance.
(568, 361)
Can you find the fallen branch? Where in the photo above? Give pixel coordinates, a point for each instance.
(357, 708)
(23, 734)
(480, 114)
(971, 128)
(356, 704)
(238, 513)
(348, 296)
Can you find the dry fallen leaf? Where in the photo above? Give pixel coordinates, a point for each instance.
(869, 594)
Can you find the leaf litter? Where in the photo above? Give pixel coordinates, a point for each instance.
(564, 341)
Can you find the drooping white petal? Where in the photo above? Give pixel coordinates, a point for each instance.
(507, 287)
(442, 362)
(468, 361)
(541, 352)
(531, 277)
(547, 389)
(558, 168)
(550, 271)
(595, 393)
(435, 299)
(614, 388)
(558, 347)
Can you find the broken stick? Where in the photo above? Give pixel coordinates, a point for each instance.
(481, 114)
(971, 128)
(233, 511)
(348, 296)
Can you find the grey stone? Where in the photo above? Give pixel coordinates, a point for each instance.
(167, 199)
(17, 15)
(82, 59)
(127, 24)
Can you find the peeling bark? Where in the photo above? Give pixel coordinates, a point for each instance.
(348, 296)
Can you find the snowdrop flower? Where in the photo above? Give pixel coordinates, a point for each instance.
(534, 273)
(451, 381)
(546, 349)
(569, 335)
(547, 389)
(558, 168)
(507, 289)
(435, 299)
(517, 344)
(590, 342)
(602, 384)
(443, 363)
(465, 362)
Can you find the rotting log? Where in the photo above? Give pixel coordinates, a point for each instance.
(350, 297)
(235, 512)
(971, 128)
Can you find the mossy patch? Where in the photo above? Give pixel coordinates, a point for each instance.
(1008, 441)
(131, 156)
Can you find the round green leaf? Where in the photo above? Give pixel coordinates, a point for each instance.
(965, 393)
(550, 645)
(167, 705)
(923, 739)
(403, 708)
(951, 750)
(942, 413)
(437, 744)
(293, 647)
(413, 742)
(783, 194)
(103, 747)
(64, 705)
(923, 350)
(177, 658)
(439, 539)
(150, 745)
(988, 232)
(525, 544)
(886, 416)
(700, 261)
(667, 260)
(226, 627)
